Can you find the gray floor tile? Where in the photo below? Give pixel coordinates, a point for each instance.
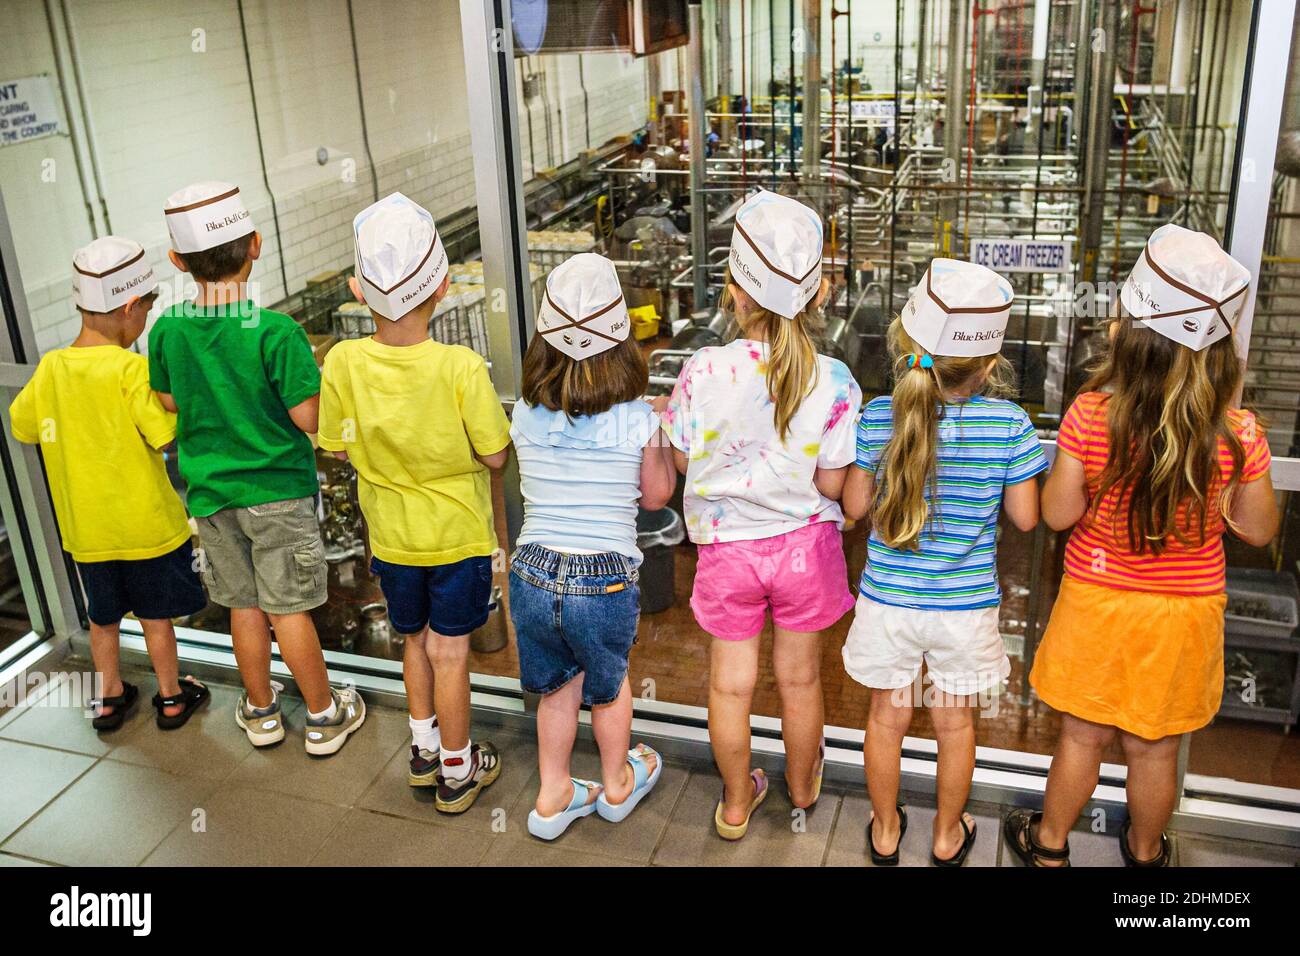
(634, 839)
(772, 840)
(849, 841)
(7, 860)
(1199, 851)
(61, 722)
(246, 827)
(33, 776)
(506, 852)
(391, 794)
(210, 744)
(364, 838)
(112, 816)
(340, 778)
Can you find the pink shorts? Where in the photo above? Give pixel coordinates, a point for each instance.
(800, 576)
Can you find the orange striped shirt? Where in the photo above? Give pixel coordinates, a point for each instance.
(1098, 551)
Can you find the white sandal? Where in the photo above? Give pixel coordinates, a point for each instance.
(548, 828)
(643, 781)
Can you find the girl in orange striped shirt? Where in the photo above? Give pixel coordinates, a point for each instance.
(1153, 465)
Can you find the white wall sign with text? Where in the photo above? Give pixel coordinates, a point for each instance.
(28, 110)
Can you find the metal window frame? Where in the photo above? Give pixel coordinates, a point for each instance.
(1219, 807)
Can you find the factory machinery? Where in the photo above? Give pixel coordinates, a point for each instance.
(1000, 120)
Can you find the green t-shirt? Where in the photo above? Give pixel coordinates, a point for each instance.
(235, 370)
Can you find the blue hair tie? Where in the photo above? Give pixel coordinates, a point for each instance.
(925, 360)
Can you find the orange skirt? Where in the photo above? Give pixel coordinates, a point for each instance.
(1145, 662)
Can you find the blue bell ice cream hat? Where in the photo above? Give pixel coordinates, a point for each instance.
(959, 308)
(583, 312)
(401, 261)
(1185, 287)
(776, 252)
(206, 215)
(109, 272)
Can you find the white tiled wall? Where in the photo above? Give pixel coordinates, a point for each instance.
(168, 95)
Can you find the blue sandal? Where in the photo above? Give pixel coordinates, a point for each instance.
(548, 828)
(643, 781)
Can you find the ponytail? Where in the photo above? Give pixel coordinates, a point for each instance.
(792, 369)
(909, 463)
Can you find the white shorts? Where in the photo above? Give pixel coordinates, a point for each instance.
(962, 649)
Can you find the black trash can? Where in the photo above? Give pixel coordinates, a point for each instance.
(658, 533)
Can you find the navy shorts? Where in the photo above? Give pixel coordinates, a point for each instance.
(574, 614)
(450, 599)
(152, 589)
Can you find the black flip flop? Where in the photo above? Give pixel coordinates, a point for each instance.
(1018, 829)
(121, 705)
(890, 859)
(192, 696)
(1131, 860)
(967, 842)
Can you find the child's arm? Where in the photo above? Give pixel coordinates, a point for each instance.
(167, 402)
(496, 460)
(1020, 501)
(859, 492)
(1065, 494)
(1255, 516)
(306, 415)
(658, 472)
(830, 481)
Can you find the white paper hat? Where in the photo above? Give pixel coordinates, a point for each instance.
(1186, 287)
(206, 215)
(401, 261)
(108, 272)
(776, 252)
(583, 312)
(958, 308)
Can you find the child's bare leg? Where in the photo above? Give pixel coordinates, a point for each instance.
(612, 725)
(891, 715)
(300, 648)
(417, 675)
(796, 660)
(557, 728)
(954, 730)
(733, 672)
(250, 636)
(1152, 790)
(449, 657)
(160, 639)
(105, 650)
(1076, 767)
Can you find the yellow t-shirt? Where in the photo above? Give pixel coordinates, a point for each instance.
(100, 428)
(411, 420)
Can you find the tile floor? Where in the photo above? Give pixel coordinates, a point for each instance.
(202, 796)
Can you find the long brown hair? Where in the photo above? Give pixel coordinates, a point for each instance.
(792, 368)
(587, 387)
(1166, 410)
(909, 461)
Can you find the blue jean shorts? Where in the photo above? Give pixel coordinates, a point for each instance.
(573, 614)
(450, 599)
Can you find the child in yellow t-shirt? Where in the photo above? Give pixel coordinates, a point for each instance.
(422, 425)
(100, 429)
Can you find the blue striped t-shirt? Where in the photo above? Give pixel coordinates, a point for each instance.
(984, 445)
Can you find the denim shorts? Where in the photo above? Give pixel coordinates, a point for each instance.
(152, 589)
(451, 599)
(573, 614)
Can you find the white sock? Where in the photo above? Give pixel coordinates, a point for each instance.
(327, 713)
(455, 763)
(426, 735)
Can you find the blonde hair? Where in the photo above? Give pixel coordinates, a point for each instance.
(1166, 411)
(908, 464)
(792, 368)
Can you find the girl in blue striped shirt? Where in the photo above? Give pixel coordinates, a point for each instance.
(937, 462)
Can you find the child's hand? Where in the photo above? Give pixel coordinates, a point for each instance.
(659, 403)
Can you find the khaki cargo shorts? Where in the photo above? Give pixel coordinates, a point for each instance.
(268, 556)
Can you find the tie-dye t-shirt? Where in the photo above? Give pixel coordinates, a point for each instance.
(742, 481)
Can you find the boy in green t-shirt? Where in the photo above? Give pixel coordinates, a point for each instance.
(245, 388)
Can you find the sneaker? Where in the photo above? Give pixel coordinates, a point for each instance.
(264, 726)
(327, 736)
(424, 767)
(457, 796)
